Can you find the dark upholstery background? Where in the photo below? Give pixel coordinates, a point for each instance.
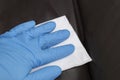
(97, 22)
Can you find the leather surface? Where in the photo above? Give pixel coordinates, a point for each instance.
(97, 22)
(101, 21)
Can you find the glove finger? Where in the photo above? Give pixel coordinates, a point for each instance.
(55, 53)
(42, 29)
(54, 38)
(21, 28)
(47, 73)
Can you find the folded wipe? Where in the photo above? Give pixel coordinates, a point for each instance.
(79, 56)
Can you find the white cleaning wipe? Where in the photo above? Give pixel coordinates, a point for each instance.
(79, 56)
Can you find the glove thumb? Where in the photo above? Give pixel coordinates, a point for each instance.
(47, 73)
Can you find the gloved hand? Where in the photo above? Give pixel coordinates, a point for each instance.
(26, 47)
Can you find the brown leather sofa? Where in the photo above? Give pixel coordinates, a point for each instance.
(97, 22)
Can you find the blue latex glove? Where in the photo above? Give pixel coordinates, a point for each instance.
(26, 47)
